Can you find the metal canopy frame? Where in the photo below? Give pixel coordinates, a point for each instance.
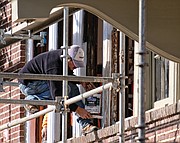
(162, 18)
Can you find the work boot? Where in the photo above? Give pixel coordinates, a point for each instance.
(88, 129)
(31, 108)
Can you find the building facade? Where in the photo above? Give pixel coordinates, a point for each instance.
(101, 42)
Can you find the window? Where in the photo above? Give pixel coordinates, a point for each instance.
(165, 81)
(161, 78)
(162, 81)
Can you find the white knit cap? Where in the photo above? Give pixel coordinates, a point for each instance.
(77, 55)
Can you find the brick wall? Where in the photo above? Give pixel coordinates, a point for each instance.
(5, 15)
(162, 125)
(12, 58)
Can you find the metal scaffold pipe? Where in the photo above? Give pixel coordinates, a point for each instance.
(141, 68)
(122, 90)
(65, 71)
(87, 94)
(54, 77)
(51, 102)
(22, 120)
(32, 102)
(49, 109)
(7, 83)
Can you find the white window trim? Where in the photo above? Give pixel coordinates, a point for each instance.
(173, 87)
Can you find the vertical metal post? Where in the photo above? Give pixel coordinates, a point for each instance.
(1, 85)
(122, 89)
(141, 67)
(65, 72)
(29, 56)
(54, 122)
(29, 49)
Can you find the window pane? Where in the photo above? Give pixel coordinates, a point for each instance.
(161, 78)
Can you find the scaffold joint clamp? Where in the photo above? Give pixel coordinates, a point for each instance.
(59, 104)
(1, 85)
(116, 83)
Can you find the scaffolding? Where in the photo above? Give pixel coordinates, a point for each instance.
(60, 103)
(117, 82)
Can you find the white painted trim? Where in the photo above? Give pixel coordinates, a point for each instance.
(54, 124)
(78, 40)
(172, 87)
(135, 96)
(107, 61)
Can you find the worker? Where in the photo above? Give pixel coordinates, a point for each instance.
(51, 62)
(44, 129)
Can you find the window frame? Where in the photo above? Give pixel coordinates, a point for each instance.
(173, 84)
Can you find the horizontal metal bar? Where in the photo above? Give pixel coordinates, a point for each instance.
(54, 77)
(22, 120)
(9, 83)
(23, 37)
(54, 102)
(97, 117)
(45, 102)
(32, 102)
(87, 94)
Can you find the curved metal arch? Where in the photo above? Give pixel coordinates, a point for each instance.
(163, 19)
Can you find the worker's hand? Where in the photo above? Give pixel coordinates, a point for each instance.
(44, 133)
(83, 113)
(88, 85)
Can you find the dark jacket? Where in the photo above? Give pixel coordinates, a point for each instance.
(48, 63)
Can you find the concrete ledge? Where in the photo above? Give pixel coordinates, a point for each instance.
(109, 134)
